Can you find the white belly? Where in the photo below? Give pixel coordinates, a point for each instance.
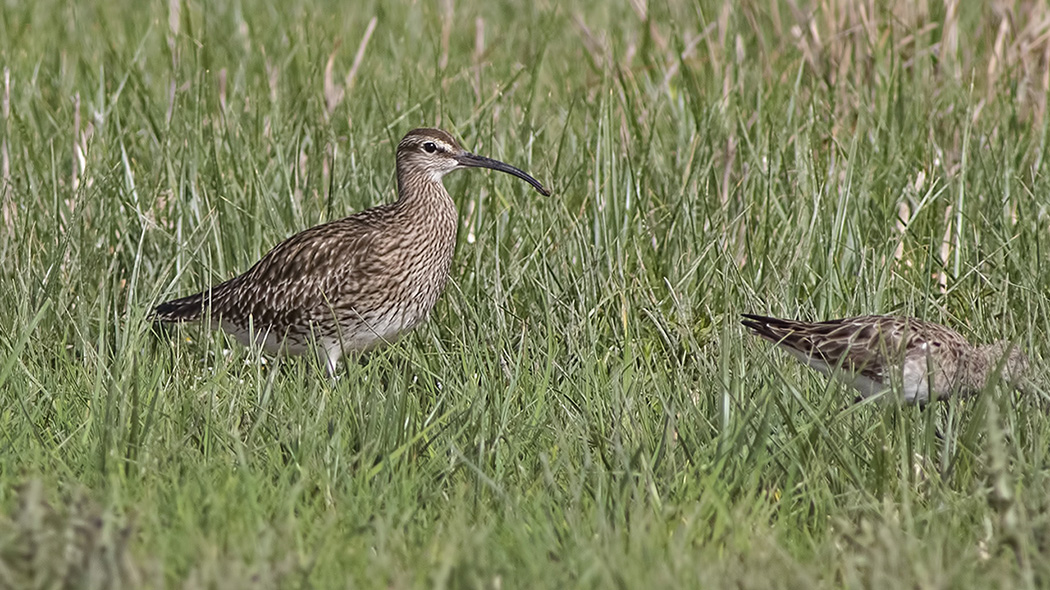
(914, 378)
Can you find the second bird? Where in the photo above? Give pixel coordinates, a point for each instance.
(356, 283)
(925, 360)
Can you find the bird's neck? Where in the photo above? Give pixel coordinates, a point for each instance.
(424, 204)
(425, 209)
(417, 190)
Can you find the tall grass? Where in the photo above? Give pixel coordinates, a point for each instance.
(583, 408)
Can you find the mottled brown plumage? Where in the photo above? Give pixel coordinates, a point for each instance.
(875, 352)
(356, 283)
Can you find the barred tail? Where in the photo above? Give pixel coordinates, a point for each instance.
(184, 309)
(773, 329)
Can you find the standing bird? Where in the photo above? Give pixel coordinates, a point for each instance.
(356, 283)
(873, 352)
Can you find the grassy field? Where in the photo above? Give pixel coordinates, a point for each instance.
(583, 408)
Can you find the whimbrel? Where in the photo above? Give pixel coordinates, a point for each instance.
(875, 352)
(356, 283)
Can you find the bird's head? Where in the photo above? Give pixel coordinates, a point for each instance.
(432, 153)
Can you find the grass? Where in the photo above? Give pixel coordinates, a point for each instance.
(583, 408)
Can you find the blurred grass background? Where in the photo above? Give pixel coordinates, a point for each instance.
(583, 409)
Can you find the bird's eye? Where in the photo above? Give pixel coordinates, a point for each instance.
(430, 147)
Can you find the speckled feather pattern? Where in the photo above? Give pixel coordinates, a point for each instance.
(351, 284)
(874, 353)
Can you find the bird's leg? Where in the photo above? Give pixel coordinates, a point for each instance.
(329, 354)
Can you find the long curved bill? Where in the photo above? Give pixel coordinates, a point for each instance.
(476, 161)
